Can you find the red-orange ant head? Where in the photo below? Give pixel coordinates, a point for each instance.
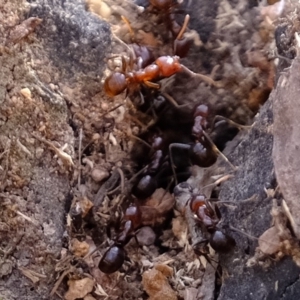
(115, 84)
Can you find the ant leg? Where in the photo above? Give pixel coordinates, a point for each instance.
(139, 140)
(181, 45)
(152, 85)
(180, 146)
(172, 100)
(204, 78)
(126, 21)
(218, 181)
(215, 148)
(122, 184)
(230, 122)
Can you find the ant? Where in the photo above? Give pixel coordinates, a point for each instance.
(209, 217)
(148, 183)
(181, 45)
(202, 152)
(163, 67)
(114, 257)
(132, 75)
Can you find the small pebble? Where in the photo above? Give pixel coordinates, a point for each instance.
(146, 236)
(99, 174)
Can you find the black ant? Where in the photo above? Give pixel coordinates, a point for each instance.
(209, 217)
(114, 257)
(148, 183)
(202, 152)
(181, 45)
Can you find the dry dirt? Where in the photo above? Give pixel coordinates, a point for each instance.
(65, 145)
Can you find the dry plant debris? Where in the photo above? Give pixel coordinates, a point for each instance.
(156, 284)
(97, 170)
(79, 288)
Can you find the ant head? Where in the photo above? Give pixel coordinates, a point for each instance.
(201, 110)
(115, 84)
(203, 155)
(133, 213)
(197, 201)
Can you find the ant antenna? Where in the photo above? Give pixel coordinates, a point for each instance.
(218, 181)
(171, 146)
(79, 157)
(184, 27)
(215, 148)
(126, 21)
(251, 236)
(204, 78)
(232, 123)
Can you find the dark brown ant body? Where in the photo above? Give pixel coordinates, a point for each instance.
(114, 257)
(209, 217)
(148, 183)
(181, 45)
(202, 151)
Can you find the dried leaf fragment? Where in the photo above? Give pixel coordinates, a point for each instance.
(156, 285)
(79, 249)
(269, 241)
(85, 204)
(79, 288)
(162, 200)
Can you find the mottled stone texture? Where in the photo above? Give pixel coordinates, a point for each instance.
(253, 157)
(76, 40)
(287, 140)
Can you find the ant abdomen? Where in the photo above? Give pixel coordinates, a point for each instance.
(112, 259)
(221, 242)
(181, 47)
(145, 187)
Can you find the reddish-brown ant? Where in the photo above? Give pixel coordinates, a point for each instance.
(114, 257)
(209, 218)
(141, 71)
(164, 66)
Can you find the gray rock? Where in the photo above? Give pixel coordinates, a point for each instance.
(76, 40)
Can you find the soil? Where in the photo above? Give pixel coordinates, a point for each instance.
(69, 150)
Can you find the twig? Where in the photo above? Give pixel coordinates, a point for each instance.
(60, 279)
(66, 158)
(6, 166)
(79, 157)
(110, 110)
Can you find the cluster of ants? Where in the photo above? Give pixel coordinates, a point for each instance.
(165, 164)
